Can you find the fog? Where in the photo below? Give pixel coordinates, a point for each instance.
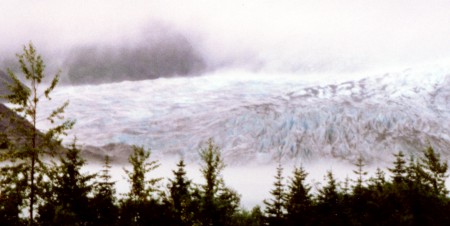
(252, 182)
(174, 38)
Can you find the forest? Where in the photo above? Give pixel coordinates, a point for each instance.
(41, 182)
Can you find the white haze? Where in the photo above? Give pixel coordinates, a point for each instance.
(307, 35)
(252, 182)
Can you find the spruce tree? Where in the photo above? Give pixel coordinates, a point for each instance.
(434, 172)
(104, 200)
(68, 201)
(180, 198)
(329, 207)
(275, 207)
(29, 145)
(140, 204)
(360, 174)
(399, 170)
(298, 199)
(218, 202)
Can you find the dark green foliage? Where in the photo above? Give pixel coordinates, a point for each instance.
(12, 193)
(141, 206)
(181, 197)
(218, 203)
(28, 145)
(399, 170)
(104, 200)
(275, 207)
(67, 201)
(433, 171)
(254, 217)
(360, 174)
(329, 205)
(298, 199)
(141, 188)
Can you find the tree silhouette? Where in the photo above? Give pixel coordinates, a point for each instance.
(140, 205)
(104, 200)
(298, 199)
(275, 207)
(67, 200)
(29, 144)
(218, 203)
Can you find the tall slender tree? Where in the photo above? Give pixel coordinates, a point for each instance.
(180, 196)
(30, 144)
(275, 207)
(298, 198)
(141, 197)
(360, 174)
(68, 202)
(434, 172)
(399, 169)
(104, 200)
(218, 202)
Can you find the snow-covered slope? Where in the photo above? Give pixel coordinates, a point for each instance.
(255, 117)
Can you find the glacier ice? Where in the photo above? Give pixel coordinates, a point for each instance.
(267, 118)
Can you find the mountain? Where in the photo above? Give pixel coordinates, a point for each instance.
(267, 118)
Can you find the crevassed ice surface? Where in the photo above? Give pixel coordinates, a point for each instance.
(267, 118)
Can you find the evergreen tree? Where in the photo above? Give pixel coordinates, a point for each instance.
(140, 206)
(104, 201)
(68, 200)
(378, 182)
(254, 217)
(399, 170)
(329, 203)
(29, 145)
(298, 199)
(218, 202)
(12, 191)
(275, 207)
(141, 188)
(180, 189)
(434, 172)
(360, 173)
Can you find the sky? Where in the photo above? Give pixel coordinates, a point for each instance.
(276, 36)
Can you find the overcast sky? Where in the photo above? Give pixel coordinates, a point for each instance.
(273, 34)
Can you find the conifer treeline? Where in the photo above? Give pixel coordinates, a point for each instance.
(38, 192)
(414, 193)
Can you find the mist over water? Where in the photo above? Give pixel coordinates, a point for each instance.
(193, 37)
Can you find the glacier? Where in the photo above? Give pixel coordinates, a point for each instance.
(263, 117)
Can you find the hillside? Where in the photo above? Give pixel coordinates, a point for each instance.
(4, 79)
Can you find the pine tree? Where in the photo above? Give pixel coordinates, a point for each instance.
(434, 172)
(218, 202)
(298, 199)
(379, 181)
(104, 201)
(275, 207)
(180, 189)
(141, 188)
(68, 200)
(30, 145)
(140, 202)
(360, 173)
(328, 202)
(399, 170)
